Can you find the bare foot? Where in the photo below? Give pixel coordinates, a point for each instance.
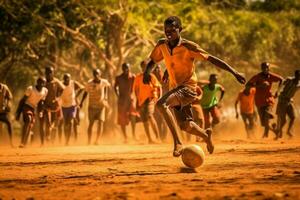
(177, 150)
(209, 145)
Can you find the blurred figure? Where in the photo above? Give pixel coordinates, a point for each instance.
(210, 103)
(285, 105)
(147, 95)
(97, 89)
(5, 98)
(32, 100)
(161, 123)
(69, 105)
(123, 89)
(52, 112)
(264, 98)
(246, 100)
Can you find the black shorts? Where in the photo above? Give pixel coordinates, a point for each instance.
(186, 96)
(265, 113)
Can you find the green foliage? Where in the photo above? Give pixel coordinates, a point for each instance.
(71, 34)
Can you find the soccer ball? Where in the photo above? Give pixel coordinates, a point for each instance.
(193, 156)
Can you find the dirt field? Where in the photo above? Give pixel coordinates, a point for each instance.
(238, 169)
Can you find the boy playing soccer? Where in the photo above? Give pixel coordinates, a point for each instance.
(179, 55)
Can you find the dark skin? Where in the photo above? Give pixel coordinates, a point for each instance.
(151, 121)
(97, 79)
(68, 122)
(265, 71)
(281, 120)
(5, 118)
(28, 119)
(166, 103)
(125, 72)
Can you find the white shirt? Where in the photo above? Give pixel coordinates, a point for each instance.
(96, 92)
(35, 96)
(68, 97)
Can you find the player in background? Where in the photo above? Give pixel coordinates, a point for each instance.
(126, 111)
(285, 105)
(97, 89)
(147, 95)
(5, 98)
(264, 99)
(69, 105)
(32, 102)
(210, 103)
(246, 100)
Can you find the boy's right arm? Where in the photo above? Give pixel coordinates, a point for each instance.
(147, 72)
(20, 107)
(223, 65)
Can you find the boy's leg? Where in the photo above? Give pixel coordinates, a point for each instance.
(291, 114)
(164, 105)
(91, 116)
(206, 115)
(99, 131)
(41, 128)
(4, 119)
(185, 119)
(28, 122)
(216, 115)
(244, 117)
(133, 122)
(123, 129)
(147, 130)
(100, 116)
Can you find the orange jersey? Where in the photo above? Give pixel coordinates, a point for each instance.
(180, 61)
(145, 91)
(247, 102)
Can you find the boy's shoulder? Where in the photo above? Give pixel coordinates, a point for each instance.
(190, 45)
(161, 41)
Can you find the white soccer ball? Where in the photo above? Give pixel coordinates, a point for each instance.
(193, 156)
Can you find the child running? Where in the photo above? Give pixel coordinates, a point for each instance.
(246, 100)
(179, 55)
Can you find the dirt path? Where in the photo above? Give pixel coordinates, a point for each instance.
(237, 170)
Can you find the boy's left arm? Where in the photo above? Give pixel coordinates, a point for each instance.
(223, 65)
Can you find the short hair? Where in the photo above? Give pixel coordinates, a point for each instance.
(125, 65)
(49, 69)
(174, 21)
(265, 64)
(67, 75)
(96, 71)
(212, 75)
(41, 79)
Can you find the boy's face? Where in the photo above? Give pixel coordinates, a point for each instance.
(125, 69)
(172, 33)
(66, 80)
(265, 69)
(49, 75)
(97, 74)
(213, 79)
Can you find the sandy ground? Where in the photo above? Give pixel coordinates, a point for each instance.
(238, 169)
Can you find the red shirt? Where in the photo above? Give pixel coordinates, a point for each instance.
(264, 96)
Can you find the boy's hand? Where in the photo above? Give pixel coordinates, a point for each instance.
(240, 78)
(165, 77)
(146, 78)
